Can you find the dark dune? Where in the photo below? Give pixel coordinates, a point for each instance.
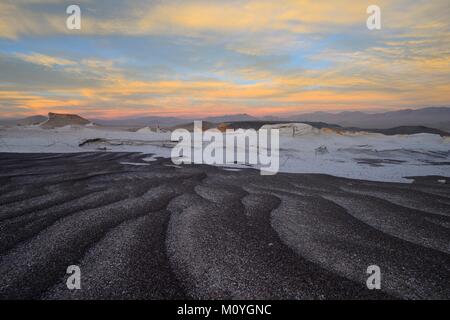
(200, 232)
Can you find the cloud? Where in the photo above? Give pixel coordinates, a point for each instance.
(198, 57)
(180, 17)
(44, 60)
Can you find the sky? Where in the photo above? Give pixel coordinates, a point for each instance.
(202, 58)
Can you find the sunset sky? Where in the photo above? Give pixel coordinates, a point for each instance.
(188, 58)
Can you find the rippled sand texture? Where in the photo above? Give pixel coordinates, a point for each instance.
(158, 231)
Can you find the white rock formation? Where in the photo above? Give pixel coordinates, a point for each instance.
(291, 129)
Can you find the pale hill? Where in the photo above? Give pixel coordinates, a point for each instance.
(31, 121)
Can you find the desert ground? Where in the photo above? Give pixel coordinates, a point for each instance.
(152, 230)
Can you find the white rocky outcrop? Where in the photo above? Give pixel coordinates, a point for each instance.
(148, 129)
(291, 129)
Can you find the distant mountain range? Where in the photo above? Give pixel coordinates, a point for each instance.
(171, 121)
(141, 121)
(232, 118)
(433, 117)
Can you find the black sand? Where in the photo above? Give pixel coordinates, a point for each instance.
(166, 232)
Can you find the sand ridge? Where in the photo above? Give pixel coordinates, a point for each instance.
(202, 232)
